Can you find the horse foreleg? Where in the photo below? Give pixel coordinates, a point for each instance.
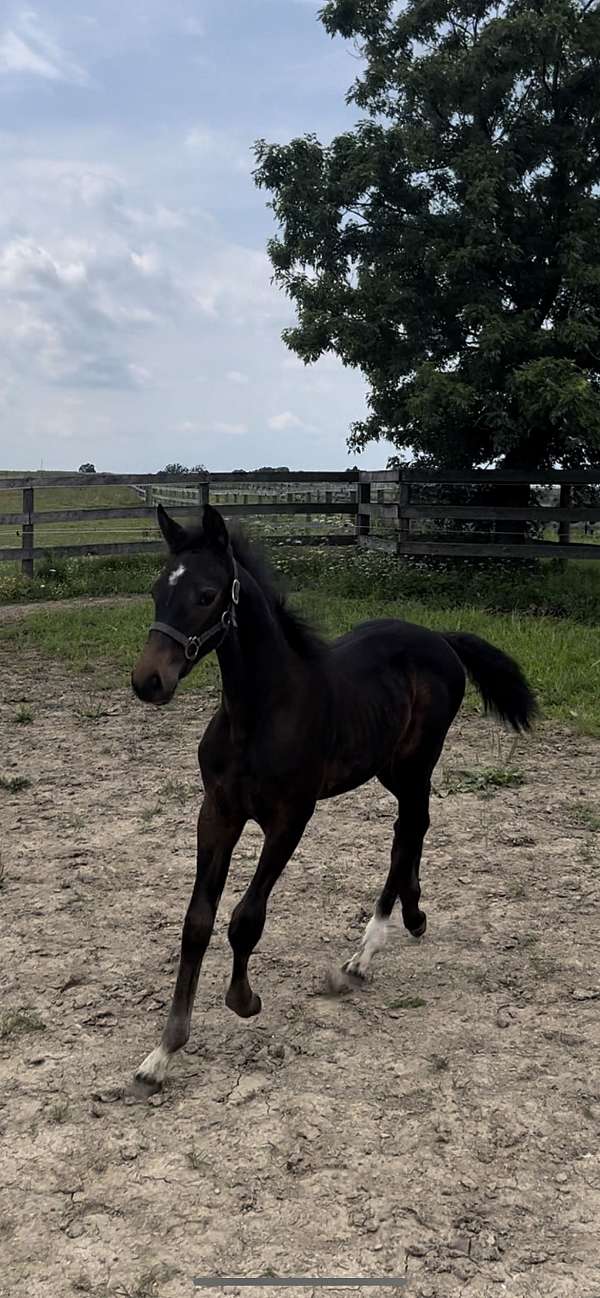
(217, 837)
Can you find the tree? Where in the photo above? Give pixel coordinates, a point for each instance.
(86, 468)
(449, 245)
(181, 471)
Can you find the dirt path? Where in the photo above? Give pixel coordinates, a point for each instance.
(442, 1125)
(12, 612)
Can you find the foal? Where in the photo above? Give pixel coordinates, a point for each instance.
(299, 720)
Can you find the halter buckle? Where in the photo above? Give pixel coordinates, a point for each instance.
(235, 591)
(192, 648)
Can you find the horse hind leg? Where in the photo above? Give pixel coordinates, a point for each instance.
(402, 883)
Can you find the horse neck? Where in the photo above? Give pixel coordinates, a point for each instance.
(255, 658)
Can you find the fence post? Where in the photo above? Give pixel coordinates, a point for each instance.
(203, 492)
(363, 520)
(27, 534)
(404, 493)
(566, 500)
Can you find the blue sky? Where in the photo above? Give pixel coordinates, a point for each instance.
(137, 320)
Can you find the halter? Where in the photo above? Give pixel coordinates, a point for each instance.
(192, 644)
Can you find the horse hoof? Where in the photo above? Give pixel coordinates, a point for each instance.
(352, 971)
(336, 983)
(245, 1007)
(143, 1087)
(418, 932)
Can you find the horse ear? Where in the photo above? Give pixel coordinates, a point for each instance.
(214, 528)
(175, 536)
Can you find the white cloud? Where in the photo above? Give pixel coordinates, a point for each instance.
(236, 376)
(28, 49)
(236, 285)
(223, 150)
(230, 430)
(283, 422)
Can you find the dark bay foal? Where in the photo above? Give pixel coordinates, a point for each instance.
(299, 720)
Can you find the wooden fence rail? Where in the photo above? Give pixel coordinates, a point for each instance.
(396, 516)
(336, 491)
(382, 505)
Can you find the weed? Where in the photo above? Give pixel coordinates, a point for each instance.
(586, 817)
(14, 783)
(149, 813)
(407, 1003)
(94, 712)
(176, 791)
(196, 1160)
(516, 890)
(23, 716)
(19, 1021)
(484, 781)
(58, 1112)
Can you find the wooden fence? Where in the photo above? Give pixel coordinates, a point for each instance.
(393, 518)
(327, 498)
(376, 510)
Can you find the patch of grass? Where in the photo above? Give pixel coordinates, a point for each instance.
(406, 1003)
(14, 783)
(586, 817)
(194, 1159)
(23, 716)
(516, 890)
(484, 781)
(58, 1112)
(542, 965)
(17, 1022)
(94, 712)
(178, 792)
(149, 813)
(560, 658)
(548, 588)
(149, 1283)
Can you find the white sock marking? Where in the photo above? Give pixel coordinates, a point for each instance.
(373, 939)
(176, 574)
(155, 1065)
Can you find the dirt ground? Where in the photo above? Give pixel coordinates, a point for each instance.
(441, 1125)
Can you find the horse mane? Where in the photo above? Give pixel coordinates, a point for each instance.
(300, 635)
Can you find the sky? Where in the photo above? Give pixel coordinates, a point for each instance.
(138, 323)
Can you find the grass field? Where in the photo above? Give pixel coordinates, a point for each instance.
(560, 657)
(80, 531)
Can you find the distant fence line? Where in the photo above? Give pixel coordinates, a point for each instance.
(379, 510)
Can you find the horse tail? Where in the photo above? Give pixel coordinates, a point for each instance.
(499, 679)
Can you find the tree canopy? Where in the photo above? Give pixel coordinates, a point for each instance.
(449, 244)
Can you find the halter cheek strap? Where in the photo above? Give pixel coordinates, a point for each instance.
(192, 644)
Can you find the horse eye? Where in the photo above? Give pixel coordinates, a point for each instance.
(206, 597)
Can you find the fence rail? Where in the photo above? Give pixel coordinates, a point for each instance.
(374, 509)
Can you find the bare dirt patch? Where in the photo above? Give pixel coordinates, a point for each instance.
(442, 1124)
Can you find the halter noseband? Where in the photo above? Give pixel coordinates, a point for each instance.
(192, 644)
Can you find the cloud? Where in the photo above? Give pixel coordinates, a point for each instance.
(220, 148)
(236, 285)
(28, 49)
(230, 430)
(285, 421)
(236, 376)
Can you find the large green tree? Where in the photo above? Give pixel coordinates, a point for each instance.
(449, 244)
